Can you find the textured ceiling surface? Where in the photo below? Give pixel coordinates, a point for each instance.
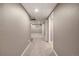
(44, 9)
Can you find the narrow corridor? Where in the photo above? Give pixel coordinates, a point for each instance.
(39, 29)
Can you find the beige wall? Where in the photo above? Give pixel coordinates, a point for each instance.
(14, 29)
(46, 30)
(66, 29)
(36, 29)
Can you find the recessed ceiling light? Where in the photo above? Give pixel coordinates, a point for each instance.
(36, 10)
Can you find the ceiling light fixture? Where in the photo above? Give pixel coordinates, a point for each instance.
(36, 10)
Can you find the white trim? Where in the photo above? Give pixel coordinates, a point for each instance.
(51, 25)
(26, 49)
(55, 52)
(49, 30)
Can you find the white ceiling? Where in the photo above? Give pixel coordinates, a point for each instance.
(44, 9)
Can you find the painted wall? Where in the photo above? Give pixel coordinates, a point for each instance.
(46, 29)
(66, 29)
(37, 29)
(14, 29)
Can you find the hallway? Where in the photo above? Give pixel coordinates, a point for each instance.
(39, 29)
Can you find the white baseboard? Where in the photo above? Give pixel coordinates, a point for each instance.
(55, 52)
(51, 43)
(26, 49)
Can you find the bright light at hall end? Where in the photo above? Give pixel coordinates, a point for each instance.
(36, 10)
